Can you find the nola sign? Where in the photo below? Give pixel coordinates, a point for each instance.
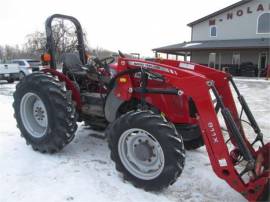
(241, 12)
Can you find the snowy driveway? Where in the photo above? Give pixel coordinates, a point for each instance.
(83, 171)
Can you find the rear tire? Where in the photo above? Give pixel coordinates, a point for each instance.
(194, 144)
(45, 113)
(192, 136)
(146, 149)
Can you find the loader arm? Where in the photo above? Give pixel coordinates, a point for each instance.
(220, 158)
(197, 81)
(222, 81)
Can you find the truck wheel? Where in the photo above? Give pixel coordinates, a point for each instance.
(10, 80)
(45, 113)
(146, 149)
(194, 144)
(21, 75)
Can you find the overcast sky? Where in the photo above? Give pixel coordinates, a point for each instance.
(128, 25)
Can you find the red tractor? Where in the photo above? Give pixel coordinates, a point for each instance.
(152, 112)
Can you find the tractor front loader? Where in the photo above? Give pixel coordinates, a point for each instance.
(152, 112)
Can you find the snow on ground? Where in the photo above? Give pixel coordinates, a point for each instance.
(83, 171)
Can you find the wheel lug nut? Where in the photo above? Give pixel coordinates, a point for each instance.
(140, 140)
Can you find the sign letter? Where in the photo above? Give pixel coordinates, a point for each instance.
(248, 10)
(229, 16)
(260, 8)
(239, 13)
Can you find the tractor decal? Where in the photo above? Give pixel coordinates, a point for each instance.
(186, 65)
(150, 66)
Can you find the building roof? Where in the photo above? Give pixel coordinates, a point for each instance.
(219, 12)
(216, 44)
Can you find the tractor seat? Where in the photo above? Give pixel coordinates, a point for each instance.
(72, 64)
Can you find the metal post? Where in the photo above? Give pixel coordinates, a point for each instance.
(185, 57)
(218, 62)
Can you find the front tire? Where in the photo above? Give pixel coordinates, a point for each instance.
(146, 149)
(45, 113)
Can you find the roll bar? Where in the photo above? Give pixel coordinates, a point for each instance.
(50, 46)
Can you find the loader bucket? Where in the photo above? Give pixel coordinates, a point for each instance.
(262, 170)
(257, 189)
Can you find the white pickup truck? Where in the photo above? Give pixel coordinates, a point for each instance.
(9, 72)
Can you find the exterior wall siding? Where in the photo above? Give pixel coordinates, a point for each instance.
(239, 27)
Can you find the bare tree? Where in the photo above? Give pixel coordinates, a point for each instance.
(2, 53)
(102, 53)
(65, 40)
(36, 43)
(11, 52)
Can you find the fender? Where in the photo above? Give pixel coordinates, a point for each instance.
(111, 106)
(121, 93)
(69, 85)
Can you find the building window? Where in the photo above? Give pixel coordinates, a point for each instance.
(263, 23)
(213, 31)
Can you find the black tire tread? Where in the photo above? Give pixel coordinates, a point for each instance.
(168, 136)
(63, 130)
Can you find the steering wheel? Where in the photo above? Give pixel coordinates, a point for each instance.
(108, 60)
(103, 63)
